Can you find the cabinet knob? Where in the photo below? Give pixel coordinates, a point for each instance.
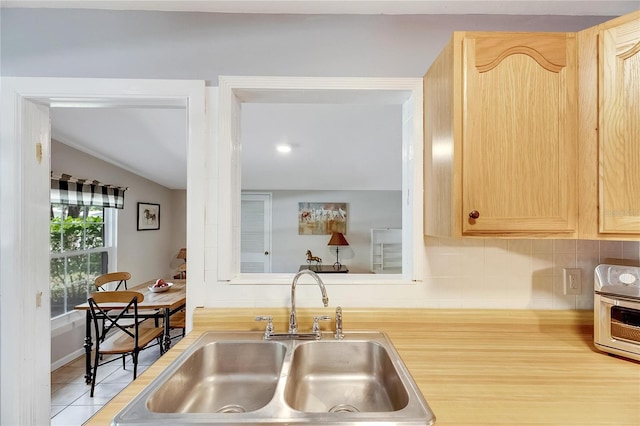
(474, 214)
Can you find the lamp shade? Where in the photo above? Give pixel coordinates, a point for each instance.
(182, 254)
(337, 239)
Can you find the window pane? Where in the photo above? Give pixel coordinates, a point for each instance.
(58, 211)
(97, 265)
(77, 268)
(94, 234)
(57, 287)
(74, 212)
(95, 212)
(57, 300)
(77, 293)
(56, 272)
(55, 235)
(72, 234)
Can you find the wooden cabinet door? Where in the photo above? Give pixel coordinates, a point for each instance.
(619, 128)
(519, 133)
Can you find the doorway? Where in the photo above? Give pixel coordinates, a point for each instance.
(25, 152)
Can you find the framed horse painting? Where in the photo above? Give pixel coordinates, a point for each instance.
(148, 216)
(322, 218)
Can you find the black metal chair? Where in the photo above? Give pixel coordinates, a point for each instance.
(119, 335)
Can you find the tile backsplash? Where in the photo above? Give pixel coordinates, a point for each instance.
(516, 274)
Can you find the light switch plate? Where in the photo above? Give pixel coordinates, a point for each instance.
(572, 281)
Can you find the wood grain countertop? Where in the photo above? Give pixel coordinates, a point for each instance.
(474, 367)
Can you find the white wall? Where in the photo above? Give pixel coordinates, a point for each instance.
(203, 46)
(366, 210)
(145, 254)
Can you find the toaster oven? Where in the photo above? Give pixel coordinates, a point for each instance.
(616, 310)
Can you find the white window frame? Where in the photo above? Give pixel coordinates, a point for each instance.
(234, 90)
(62, 323)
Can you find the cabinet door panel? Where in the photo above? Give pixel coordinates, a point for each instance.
(518, 143)
(620, 129)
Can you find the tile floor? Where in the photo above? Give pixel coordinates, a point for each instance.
(71, 404)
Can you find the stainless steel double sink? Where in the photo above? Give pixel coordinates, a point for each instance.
(237, 378)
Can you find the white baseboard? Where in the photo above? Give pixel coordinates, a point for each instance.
(67, 359)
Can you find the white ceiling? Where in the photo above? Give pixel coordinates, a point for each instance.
(150, 142)
(391, 7)
(334, 147)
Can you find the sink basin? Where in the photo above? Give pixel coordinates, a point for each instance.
(222, 377)
(337, 376)
(238, 378)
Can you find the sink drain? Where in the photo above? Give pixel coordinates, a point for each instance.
(343, 408)
(231, 408)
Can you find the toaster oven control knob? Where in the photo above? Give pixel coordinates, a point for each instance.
(627, 278)
(474, 214)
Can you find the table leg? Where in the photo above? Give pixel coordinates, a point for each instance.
(167, 331)
(87, 349)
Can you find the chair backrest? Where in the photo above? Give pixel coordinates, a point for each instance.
(112, 316)
(121, 277)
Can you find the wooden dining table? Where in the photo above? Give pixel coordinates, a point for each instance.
(155, 305)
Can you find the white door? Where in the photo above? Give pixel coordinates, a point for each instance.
(255, 232)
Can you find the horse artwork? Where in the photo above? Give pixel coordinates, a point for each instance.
(312, 258)
(148, 216)
(322, 218)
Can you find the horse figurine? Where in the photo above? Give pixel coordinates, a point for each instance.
(312, 258)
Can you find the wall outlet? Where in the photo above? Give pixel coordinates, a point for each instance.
(572, 281)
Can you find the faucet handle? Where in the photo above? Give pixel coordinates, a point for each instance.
(339, 334)
(268, 331)
(316, 324)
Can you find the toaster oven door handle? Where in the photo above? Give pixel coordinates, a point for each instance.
(625, 303)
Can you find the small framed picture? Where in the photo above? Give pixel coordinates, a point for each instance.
(148, 216)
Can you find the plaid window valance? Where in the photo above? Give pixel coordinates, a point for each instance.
(66, 189)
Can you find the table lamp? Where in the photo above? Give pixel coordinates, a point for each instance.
(182, 269)
(337, 240)
(182, 254)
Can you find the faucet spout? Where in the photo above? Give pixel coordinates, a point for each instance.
(293, 320)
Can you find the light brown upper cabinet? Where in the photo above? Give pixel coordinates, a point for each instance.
(609, 59)
(501, 136)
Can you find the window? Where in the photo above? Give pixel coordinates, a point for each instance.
(79, 252)
(234, 91)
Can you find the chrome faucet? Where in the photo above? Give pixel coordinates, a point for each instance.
(293, 321)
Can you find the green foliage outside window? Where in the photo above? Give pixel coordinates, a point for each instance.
(76, 239)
